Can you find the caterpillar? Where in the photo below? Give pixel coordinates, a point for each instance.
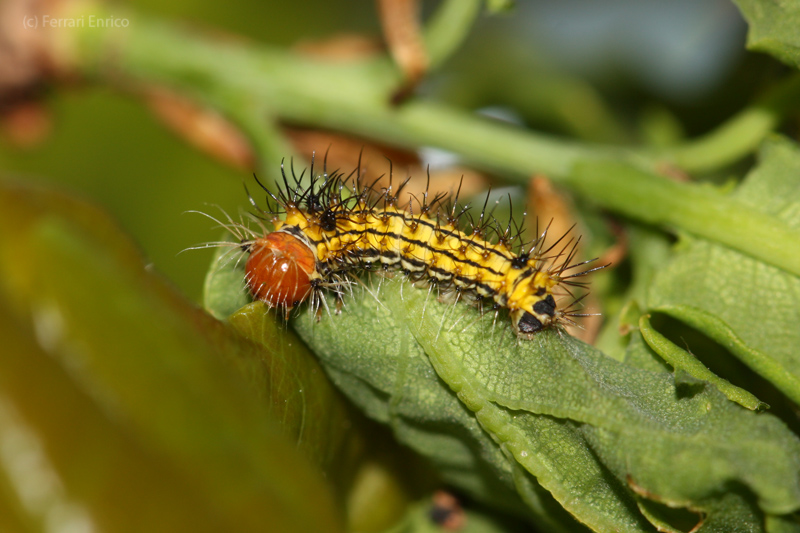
(335, 225)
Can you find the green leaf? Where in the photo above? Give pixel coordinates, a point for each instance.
(773, 28)
(491, 411)
(684, 361)
(294, 388)
(121, 394)
(312, 412)
(744, 304)
(783, 524)
(384, 371)
(224, 290)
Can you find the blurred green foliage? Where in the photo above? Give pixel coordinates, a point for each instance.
(129, 408)
(108, 146)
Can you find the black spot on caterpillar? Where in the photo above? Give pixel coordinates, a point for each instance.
(327, 230)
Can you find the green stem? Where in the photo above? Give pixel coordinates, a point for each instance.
(448, 28)
(697, 209)
(741, 134)
(354, 97)
(350, 97)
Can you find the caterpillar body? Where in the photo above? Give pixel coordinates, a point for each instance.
(334, 226)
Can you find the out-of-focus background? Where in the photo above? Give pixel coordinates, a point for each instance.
(616, 71)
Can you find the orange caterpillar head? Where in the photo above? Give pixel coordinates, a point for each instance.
(280, 269)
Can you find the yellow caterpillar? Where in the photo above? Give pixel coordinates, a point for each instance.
(328, 232)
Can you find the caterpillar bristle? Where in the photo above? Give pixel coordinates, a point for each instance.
(329, 225)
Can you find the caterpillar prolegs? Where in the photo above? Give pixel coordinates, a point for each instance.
(334, 226)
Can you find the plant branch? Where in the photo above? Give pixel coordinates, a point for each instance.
(740, 135)
(354, 97)
(697, 209)
(448, 28)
